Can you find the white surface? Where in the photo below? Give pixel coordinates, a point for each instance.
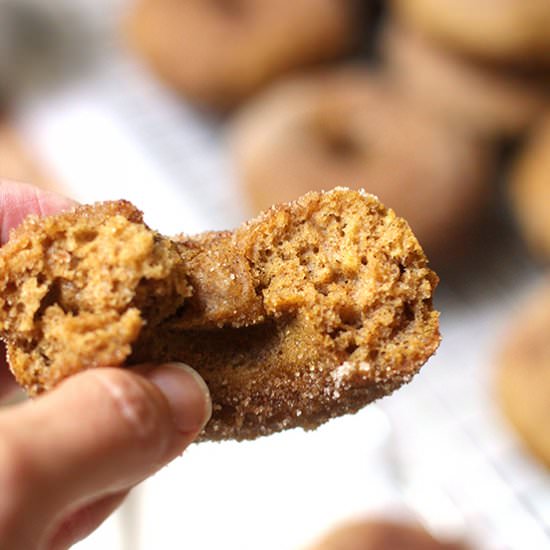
(275, 493)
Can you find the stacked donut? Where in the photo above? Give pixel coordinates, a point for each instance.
(481, 65)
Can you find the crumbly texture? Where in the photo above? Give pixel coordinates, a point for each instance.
(77, 290)
(506, 32)
(523, 377)
(493, 102)
(348, 126)
(218, 52)
(373, 534)
(310, 311)
(530, 190)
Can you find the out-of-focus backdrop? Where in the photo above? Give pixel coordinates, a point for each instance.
(204, 112)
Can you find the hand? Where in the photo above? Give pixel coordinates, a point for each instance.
(68, 458)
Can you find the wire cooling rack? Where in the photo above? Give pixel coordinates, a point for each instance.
(449, 438)
(449, 455)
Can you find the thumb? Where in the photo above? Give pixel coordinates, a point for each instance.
(99, 432)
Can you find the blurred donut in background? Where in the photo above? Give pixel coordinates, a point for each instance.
(381, 535)
(17, 162)
(530, 190)
(506, 31)
(523, 379)
(492, 101)
(347, 127)
(218, 52)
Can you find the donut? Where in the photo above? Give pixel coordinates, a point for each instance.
(529, 190)
(310, 311)
(380, 534)
(348, 127)
(523, 375)
(218, 52)
(491, 101)
(504, 32)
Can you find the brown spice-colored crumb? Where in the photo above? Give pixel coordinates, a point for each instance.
(78, 289)
(310, 311)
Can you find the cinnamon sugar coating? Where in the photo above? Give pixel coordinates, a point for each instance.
(310, 311)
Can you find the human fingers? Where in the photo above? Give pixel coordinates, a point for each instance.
(7, 381)
(84, 521)
(98, 433)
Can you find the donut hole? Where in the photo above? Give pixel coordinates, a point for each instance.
(335, 140)
(341, 146)
(233, 9)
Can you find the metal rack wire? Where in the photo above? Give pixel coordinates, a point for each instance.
(448, 429)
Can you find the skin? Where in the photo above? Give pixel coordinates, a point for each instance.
(58, 481)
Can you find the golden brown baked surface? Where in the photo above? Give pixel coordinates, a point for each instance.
(381, 535)
(218, 52)
(523, 380)
(530, 190)
(310, 311)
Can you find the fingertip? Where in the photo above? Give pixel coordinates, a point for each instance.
(186, 393)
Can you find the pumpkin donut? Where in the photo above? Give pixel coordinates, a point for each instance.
(349, 127)
(491, 101)
(218, 52)
(507, 31)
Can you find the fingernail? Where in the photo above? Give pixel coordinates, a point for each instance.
(186, 393)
